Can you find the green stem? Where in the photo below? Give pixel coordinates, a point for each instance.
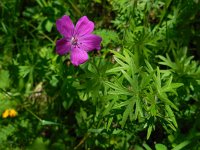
(82, 141)
(46, 36)
(5, 92)
(33, 114)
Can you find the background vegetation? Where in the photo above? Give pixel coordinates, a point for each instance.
(140, 92)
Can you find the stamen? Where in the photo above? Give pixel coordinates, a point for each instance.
(74, 41)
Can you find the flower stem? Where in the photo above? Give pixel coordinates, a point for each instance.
(33, 114)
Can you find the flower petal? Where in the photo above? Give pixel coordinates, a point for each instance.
(78, 56)
(65, 26)
(84, 26)
(63, 46)
(90, 42)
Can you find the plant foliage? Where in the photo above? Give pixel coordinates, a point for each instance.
(140, 91)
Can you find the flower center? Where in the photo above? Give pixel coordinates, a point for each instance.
(74, 41)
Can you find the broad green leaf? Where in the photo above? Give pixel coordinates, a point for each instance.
(44, 122)
(5, 132)
(48, 25)
(40, 143)
(147, 147)
(181, 145)
(137, 147)
(160, 147)
(4, 79)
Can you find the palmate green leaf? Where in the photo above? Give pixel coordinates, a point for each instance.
(149, 68)
(110, 105)
(138, 109)
(170, 87)
(128, 111)
(145, 80)
(183, 64)
(167, 4)
(157, 80)
(114, 70)
(162, 90)
(128, 68)
(171, 115)
(129, 56)
(127, 65)
(124, 65)
(171, 125)
(187, 60)
(145, 87)
(25, 70)
(166, 61)
(125, 60)
(129, 79)
(118, 88)
(120, 105)
(131, 60)
(164, 98)
(163, 87)
(167, 123)
(118, 55)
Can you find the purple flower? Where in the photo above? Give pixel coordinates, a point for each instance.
(77, 40)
